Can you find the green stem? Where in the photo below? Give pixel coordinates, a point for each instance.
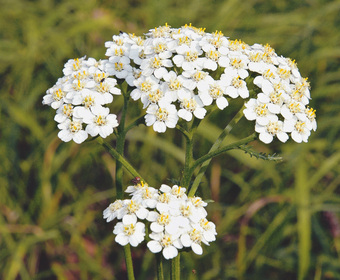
(135, 123)
(175, 268)
(119, 158)
(215, 153)
(215, 146)
(188, 160)
(120, 144)
(160, 275)
(128, 261)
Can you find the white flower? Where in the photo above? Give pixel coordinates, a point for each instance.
(293, 109)
(273, 128)
(209, 230)
(134, 208)
(146, 196)
(238, 66)
(115, 210)
(55, 96)
(99, 121)
(161, 116)
(145, 85)
(129, 231)
(72, 130)
(256, 110)
(176, 85)
(156, 66)
(188, 57)
(191, 104)
(166, 243)
(120, 69)
(193, 239)
(73, 65)
(213, 90)
(299, 129)
(166, 221)
(235, 86)
(63, 113)
(310, 113)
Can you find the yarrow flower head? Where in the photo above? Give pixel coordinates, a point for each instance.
(79, 99)
(176, 220)
(177, 73)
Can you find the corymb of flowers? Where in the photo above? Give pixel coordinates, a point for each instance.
(177, 73)
(176, 220)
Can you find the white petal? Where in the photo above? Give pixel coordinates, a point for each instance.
(170, 252)
(154, 246)
(197, 248)
(122, 239)
(186, 240)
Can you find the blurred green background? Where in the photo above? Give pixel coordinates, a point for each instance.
(275, 220)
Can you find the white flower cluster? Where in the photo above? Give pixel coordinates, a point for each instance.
(176, 221)
(176, 73)
(179, 71)
(281, 106)
(79, 98)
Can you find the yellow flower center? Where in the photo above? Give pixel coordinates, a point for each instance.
(75, 126)
(162, 115)
(199, 76)
(132, 207)
(215, 91)
(119, 51)
(268, 74)
(155, 96)
(294, 107)
(88, 101)
(300, 127)
(145, 86)
(213, 55)
(156, 62)
(166, 240)
(67, 110)
(129, 229)
(283, 73)
(273, 128)
(119, 66)
(237, 82)
(196, 236)
(79, 85)
(261, 110)
(175, 84)
(76, 64)
(116, 205)
(189, 104)
(160, 47)
(163, 219)
(100, 120)
(310, 112)
(191, 56)
(58, 94)
(164, 198)
(237, 63)
(276, 97)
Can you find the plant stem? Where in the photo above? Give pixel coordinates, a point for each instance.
(188, 160)
(217, 152)
(215, 146)
(119, 175)
(175, 268)
(128, 261)
(119, 158)
(120, 148)
(160, 275)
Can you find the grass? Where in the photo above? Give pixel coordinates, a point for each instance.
(275, 220)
